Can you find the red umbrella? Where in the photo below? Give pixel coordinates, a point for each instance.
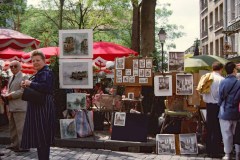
(14, 39)
(109, 51)
(47, 51)
(10, 54)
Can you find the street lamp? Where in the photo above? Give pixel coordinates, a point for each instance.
(162, 37)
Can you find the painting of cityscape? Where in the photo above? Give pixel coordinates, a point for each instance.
(75, 73)
(163, 85)
(188, 143)
(76, 101)
(176, 61)
(76, 43)
(166, 144)
(68, 128)
(184, 84)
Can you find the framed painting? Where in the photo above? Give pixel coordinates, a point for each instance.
(120, 63)
(76, 101)
(184, 84)
(188, 143)
(76, 43)
(165, 144)
(176, 61)
(68, 128)
(119, 119)
(130, 95)
(163, 85)
(75, 73)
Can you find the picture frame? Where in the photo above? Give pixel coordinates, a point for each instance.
(76, 101)
(148, 72)
(163, 85)
(184, 84)
(76, 73)
(118, 73)
(131, 79)
(119, 80)
(68, 128)
(125, 79)
(188, 143)
(141, 63)
(119, 118)
(176, 61)
(143, 80)
(135, 72)
(130, 95)
(166, 144)
(149, 63)
(141, 72)
(135, 64)
(128, 72)
(120, 63)
(76, 43)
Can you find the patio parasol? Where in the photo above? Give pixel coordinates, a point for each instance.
(10, 54)
(202, 62)
(14, 39)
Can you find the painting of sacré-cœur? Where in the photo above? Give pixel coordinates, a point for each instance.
(76, 43)
(75, 73)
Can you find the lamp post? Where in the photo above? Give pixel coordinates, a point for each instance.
(162, 37)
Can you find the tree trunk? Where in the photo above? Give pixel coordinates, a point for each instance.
(148, 27)
(135, 41)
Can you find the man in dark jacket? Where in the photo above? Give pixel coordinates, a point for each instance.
(229, 92)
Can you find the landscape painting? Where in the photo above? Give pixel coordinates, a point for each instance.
(68, 128)
(76, 101)
(75, 73)
(76, 43)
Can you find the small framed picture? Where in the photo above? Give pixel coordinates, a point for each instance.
(148, 73)
(143, 80)
(118, 73)
(75, 73)
(76, 43)
(131, 79)
(125, 79)
(141, 63)
(188, 143)
(176, 61)
(130, 95)
(141, 72)
(135, 72)
(148, 63)
(163, 85)
(119, 80)
(165, 144)
(76, 101)
(120, 63)
(135, 64)
(68, 128)
(119, 119)
(184, 84)
(128, 72)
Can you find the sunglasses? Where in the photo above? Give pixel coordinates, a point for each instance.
(14, 66)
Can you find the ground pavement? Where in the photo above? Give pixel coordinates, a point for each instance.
(58, 153)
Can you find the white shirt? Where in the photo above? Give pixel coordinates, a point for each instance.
(213, 96)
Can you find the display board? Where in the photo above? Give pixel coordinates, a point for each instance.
(132, 71)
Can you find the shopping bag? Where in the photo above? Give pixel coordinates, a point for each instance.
(236, 136)
(84, 123)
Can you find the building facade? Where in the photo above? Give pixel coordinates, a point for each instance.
(220, 27)
(211, 27)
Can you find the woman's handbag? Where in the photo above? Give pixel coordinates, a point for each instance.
(236, 136)
(31, 95)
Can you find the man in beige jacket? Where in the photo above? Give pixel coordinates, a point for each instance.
(17, 107)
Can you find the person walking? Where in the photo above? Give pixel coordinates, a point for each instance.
(214, 137)
(38, 130)
(16, 106)
(229, 92)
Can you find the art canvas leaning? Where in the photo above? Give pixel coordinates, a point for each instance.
(76, 101)
(184, 84)
(76, 73)
(76, 43)
(188, 143)
(165, 144)
(68, 128)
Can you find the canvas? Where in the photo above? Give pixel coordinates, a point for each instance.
(76, 101)
(165, 144)
(68, 128)
(76, 43)
(76, 73)
(188, 143)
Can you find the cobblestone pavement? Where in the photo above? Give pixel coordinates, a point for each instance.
(93, 154)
